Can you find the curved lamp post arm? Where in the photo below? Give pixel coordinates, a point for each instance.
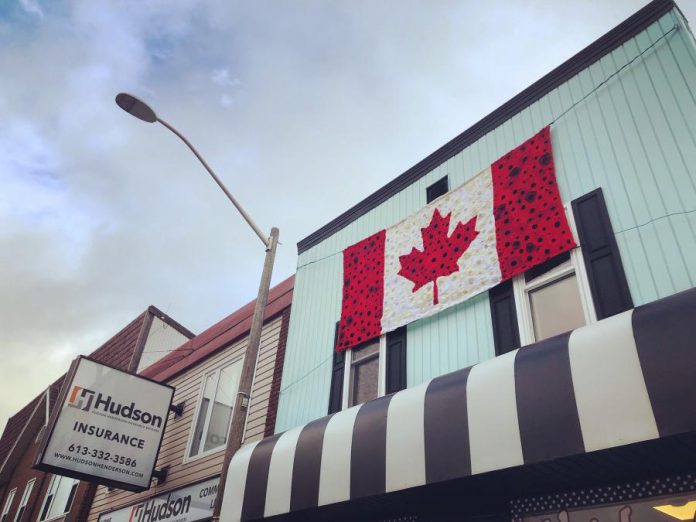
(247, 217)
(235, 435)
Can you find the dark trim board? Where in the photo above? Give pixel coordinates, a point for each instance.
(590, 54)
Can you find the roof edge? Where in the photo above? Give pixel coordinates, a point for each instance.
(156, 312)
(220, 335)
(589, 55)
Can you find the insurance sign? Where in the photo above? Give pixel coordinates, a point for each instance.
(107, 426)
(187, 504)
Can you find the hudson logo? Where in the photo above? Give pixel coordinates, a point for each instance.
(81, 398)
(85, 399)
(152, 512)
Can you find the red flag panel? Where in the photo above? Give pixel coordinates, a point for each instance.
(363, 292)
(531, 225)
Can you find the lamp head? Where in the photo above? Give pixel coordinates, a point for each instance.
(136, 107)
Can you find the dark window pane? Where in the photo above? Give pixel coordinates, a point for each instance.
(71, 496)
(437, 189)
(47, 504)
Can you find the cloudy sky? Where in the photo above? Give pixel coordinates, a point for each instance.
(303, 108)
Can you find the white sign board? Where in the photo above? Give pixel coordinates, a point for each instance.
(187, 504)
(108, 428)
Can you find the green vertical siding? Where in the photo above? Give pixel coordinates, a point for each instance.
(635, 137)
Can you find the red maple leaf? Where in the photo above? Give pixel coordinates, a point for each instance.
(440, 253)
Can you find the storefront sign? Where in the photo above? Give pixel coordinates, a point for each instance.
(183, 505)
(107, 427)
(653, 509)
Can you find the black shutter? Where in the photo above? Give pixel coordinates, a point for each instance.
(339, 363)
(396, 360)
(506, 333)
(605, 272)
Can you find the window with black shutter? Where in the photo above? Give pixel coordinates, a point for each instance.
(368, 371)
(568, 291)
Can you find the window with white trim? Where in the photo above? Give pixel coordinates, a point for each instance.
(553, 297)
(25, 500)
(364, 373)
(214, 412)
(8, 505)
(59, 497)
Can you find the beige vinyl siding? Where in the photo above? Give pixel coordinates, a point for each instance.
(176, 438)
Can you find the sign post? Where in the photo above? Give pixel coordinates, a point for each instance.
(107, 427)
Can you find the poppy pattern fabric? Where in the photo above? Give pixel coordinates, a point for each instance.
(500, 223)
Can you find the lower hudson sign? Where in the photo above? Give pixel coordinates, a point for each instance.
(187, 504)
(107, 427)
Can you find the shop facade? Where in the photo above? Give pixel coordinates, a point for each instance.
(560, 362)
(204, 373)
(30, 494)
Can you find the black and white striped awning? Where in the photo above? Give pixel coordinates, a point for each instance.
(626, 379)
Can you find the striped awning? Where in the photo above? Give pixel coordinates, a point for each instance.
(622, 380)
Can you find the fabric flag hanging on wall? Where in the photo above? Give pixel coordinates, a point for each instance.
(505, 220)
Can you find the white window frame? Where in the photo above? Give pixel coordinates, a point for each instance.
(382, 372)
(217, 371)
(53, 498)
(25, 499)
(522, 288)
(8, 504)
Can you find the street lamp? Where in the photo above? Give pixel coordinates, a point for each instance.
(142, 111)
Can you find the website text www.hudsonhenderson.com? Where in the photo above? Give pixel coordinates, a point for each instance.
(108, 467)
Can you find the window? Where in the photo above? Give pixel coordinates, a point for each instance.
(547, 300)
(437, 189)
(25, 500)
(59, 497)
(553, 297)
(551, 300)
(363, 383)
(368, 371)
(8, 505)
(364, 373)
(215, 409)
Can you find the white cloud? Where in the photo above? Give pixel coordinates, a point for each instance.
(222, 77)
(32, 7)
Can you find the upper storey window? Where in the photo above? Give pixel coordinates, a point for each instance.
(214, 412)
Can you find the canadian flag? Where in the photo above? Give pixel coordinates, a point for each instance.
(505, 220)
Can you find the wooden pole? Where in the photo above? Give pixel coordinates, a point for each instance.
(241, 406)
